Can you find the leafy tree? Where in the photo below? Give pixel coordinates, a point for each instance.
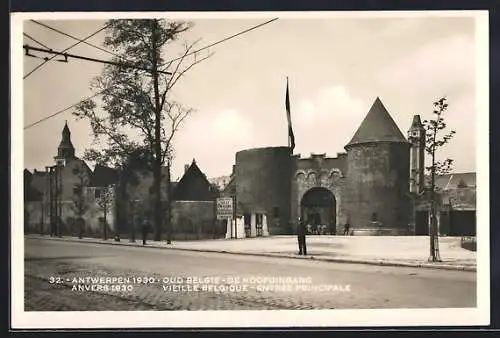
(138, 114)
(434, 141)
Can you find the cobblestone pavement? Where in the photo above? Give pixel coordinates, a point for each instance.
(356, 286)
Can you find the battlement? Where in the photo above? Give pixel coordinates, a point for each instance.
(322, 156)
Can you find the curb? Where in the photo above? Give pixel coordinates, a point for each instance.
(264, 254)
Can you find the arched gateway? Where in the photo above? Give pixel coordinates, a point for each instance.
(318, 209)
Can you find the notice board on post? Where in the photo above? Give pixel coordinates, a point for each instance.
(224, 207)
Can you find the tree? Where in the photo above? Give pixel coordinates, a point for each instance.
(433, 142)
(105, 201)
(80, 205)
(140, 103)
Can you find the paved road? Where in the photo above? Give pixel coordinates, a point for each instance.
(310, 285)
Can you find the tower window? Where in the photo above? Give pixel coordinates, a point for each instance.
(374, 217)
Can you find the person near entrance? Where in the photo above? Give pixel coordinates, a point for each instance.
(347, 227)
(301, 237)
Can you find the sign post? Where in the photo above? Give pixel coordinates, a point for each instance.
(225, 210)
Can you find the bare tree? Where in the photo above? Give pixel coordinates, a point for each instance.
(134, 102)
(434, 141)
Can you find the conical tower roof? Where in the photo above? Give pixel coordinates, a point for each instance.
(378, 126)
(416, 123)
(66, 149)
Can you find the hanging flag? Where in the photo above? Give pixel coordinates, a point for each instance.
(291, 137)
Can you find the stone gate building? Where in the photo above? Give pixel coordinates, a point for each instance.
(375, 185)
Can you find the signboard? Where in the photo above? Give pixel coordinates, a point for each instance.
(224, 207)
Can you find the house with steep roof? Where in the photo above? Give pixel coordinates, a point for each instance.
(193, 206)
(54, 195)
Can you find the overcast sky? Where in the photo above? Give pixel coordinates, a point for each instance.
(336, 68)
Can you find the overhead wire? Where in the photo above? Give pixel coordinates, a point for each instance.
(35, 40)
(65, 50)
(196, 51)
(77, 39)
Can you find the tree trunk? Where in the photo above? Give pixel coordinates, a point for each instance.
(105, 220)
(158, 213)
(433, 233)
(169, 206)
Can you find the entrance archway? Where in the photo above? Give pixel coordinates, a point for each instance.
(318, 209)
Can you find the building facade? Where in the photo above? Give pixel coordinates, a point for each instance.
(376, 186)
(69, 198)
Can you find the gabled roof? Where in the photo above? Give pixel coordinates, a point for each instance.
(377, 126)
(103, 176)
(193, 186)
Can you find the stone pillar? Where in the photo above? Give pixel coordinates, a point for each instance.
(229, 227)
(240, 227)
(265, 231)
(253, 228)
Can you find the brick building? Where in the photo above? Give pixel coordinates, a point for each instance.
(375, 186)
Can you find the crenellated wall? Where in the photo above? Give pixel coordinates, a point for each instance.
(319, 171)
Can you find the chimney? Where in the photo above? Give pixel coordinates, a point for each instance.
(186, 167)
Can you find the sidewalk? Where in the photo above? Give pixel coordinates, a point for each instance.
(409, 251)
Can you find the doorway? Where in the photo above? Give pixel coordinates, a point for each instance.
(318, 210)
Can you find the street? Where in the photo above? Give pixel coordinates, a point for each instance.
(56, 271)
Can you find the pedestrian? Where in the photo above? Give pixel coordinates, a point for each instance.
(333, 230)
(301, 237)
(145, 230)
(347, 226)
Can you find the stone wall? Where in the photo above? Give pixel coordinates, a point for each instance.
(263, 183)
(318, 171)
(195, 220)
(35, 211)
(377, 186)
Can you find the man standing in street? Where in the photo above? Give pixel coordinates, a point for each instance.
(145, 230)
(301, 236)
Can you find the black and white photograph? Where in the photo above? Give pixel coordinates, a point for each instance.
(250, 169)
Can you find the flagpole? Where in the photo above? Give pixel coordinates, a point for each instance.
(287, 129)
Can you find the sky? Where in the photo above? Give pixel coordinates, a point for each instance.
(336, 69)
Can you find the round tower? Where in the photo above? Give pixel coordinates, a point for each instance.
(263, 187)
(376, 191)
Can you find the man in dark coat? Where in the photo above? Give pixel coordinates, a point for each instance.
(301, 237)
(145, 230)
(347, 227)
